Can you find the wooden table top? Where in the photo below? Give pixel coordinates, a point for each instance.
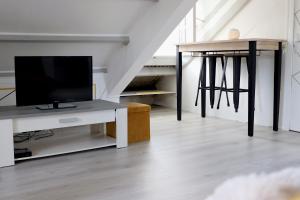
(231, 45)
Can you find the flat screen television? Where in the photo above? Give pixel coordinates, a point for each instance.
(53, 79)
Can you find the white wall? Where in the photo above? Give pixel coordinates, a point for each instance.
(99, 51)
(181, 34)
(9, 82)
(260, 18)
(8, 50)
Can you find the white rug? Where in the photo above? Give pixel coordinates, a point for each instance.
(283, 185)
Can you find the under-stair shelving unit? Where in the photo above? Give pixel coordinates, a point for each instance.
(145, 84)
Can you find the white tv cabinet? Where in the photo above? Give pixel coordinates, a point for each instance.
(22, 119)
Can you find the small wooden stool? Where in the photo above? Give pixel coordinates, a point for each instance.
(138, 123)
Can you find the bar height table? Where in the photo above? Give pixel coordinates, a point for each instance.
(252, 46)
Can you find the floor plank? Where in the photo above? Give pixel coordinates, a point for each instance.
(184, 160)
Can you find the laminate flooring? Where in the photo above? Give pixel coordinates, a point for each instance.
(183, 160)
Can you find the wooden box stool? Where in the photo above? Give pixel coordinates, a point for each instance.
(138, 123)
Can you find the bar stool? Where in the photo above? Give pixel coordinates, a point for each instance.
(236, 90)
(212, 77)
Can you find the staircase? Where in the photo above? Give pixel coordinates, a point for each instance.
(146, 35)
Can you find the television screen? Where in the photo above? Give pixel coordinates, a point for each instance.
(48, 79)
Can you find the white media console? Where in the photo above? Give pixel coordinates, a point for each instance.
(15, 120)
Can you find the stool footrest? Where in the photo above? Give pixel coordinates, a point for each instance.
(232, 90)
(208, 88)
(224, 90)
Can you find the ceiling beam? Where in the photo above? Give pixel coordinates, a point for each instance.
(53, 37)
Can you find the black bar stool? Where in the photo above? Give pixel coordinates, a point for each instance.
(212, 77)
(237, 57)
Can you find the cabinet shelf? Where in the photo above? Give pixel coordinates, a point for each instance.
(66, 141)
(145, 93)
(157, 70)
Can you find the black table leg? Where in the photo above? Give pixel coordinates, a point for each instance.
(212, 79)
(179, 82)
(251, 85)
(203, 90)
(236, 81)
(277, 80)
(200, 79)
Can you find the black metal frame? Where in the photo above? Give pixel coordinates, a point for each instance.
(179, 82)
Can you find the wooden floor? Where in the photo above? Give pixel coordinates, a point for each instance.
(184, 160)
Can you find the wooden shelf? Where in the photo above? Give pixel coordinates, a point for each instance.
(157, 70)
(66, 141)
(145, 93)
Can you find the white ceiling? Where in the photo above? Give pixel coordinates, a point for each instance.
(70, 16)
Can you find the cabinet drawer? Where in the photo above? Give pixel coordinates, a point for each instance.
(61, 121)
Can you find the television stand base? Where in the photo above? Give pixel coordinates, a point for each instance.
(52, 107)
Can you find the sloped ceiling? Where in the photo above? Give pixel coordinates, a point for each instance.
(70, 16)
(66, 17)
